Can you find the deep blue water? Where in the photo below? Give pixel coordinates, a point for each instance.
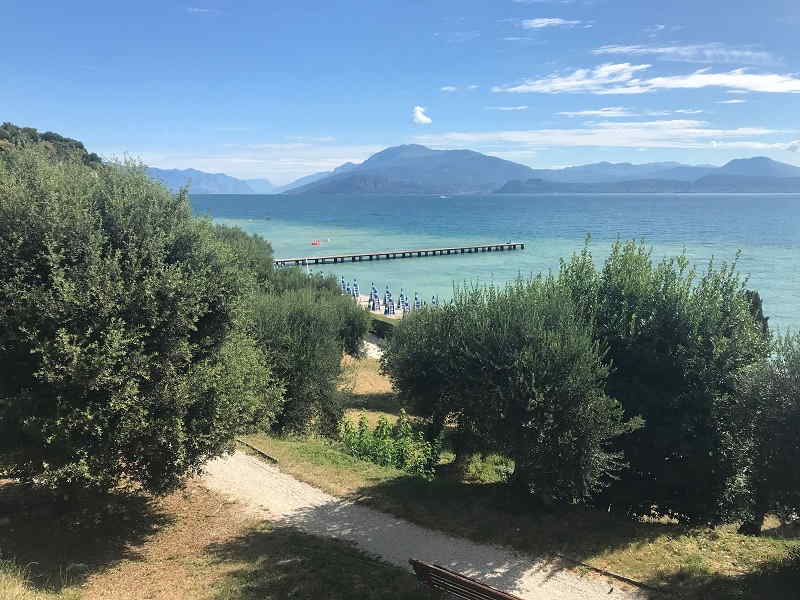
(766, 228)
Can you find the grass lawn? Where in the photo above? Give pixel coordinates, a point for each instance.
(190, 544)
(693, 563)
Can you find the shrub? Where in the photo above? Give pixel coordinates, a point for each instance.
(300, 335)
(396, 446)
(123, 355)
(770, 397)
(517, 371)
(677, 341)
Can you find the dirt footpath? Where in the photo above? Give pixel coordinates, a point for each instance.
(269, 493)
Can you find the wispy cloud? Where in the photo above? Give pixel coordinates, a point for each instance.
(794, 146)
(695, 53)
(598, 80)
(622, 112)
(195, 10)
(677, 133)
(543, 22)
(733, 101)
(279, 162)
(454, 88)
(419, 117)
(314, 139)
(609, 112)
(623, 78)
(506, 108)
(457, 37)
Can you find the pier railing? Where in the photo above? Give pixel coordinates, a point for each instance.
(389, 254)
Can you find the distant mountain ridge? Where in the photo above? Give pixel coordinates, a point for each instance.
(413, 168)
(199, 182)
(416, 169)
(742, 175)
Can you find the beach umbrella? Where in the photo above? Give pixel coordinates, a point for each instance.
(355, 288)
(417, 301)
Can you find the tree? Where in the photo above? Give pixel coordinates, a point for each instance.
(124, 352)
(770, 395)
(299, 334)
(677, 341)
(517, 371)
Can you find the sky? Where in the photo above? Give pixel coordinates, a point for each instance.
(275, 89)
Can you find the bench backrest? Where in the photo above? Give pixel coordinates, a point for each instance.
(456, 585)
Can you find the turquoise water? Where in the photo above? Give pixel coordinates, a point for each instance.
(766, 228)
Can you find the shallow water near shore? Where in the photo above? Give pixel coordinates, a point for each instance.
(765, 227)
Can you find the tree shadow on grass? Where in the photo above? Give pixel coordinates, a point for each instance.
(491, 513)
(62, 545)
(382, 402)
(276, 562)
(777, 579)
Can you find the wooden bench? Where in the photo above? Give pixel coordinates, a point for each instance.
(456, 585)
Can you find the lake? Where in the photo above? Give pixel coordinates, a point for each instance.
(764, 227)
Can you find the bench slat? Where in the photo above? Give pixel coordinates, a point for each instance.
(457, 585)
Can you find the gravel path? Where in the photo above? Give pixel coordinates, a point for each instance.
(268, 493)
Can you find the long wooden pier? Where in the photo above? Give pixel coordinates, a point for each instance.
(386, 254)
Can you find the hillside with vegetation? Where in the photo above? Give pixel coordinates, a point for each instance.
(638, 416)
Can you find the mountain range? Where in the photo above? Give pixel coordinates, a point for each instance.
(416, 169)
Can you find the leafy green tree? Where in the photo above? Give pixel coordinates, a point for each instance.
(124, 354)
(677, 341)
(770, 397)
(57, 146)
(516, 369)
(299, 334)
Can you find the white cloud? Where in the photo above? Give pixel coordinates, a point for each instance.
(623, 78)
(794, 146)
(597, 80)
(621, 112)
(733, 101)
(506, 108)
(736, 79)
(543, 22)
(609, 112)
(194, 10)
(697, 53)
(419, 117)
(278, 162)
(676, 133)
(453, 88)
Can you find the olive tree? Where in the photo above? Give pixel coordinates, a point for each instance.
(124, 353)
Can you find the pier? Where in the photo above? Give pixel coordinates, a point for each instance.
(387, 254)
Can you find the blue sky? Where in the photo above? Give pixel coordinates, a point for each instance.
(281, 89)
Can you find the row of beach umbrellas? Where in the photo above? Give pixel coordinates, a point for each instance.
(375, 303)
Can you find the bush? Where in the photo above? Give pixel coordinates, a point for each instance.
(677, 340)
(300, 335)
(396, 446)
(517, 371)
(770, 396)
(123, 355)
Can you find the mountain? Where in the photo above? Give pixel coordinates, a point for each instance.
(199, 182)
(758, 166)
(315, 177)
(261, 186)
(416, 169)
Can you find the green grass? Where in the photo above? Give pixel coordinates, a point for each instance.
(692, 563)
(192, 543)
(277, 562)
(16, 584)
